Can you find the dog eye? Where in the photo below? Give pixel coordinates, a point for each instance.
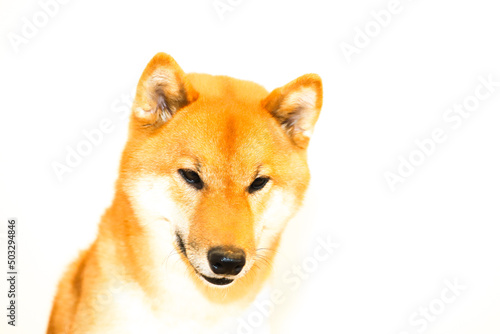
(258, 184)
(192, 178)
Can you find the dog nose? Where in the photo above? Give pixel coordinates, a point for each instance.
(226, 260)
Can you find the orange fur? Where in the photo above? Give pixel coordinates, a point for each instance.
(230, 131)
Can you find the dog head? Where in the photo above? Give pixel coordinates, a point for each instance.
(216, 166)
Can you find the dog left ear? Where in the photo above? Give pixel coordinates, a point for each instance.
(296, 106)
(162, 90)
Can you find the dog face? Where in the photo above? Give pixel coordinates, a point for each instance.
(217, 166)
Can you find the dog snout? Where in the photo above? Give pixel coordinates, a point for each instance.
(226, 260)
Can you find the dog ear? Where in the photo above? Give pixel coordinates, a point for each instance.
(296, 106)
(162, 90)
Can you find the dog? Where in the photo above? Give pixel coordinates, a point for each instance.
(213, 169)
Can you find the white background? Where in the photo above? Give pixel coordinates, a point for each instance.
(397, 247)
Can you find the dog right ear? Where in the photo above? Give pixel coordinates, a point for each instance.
(296, 106)
(162, 90)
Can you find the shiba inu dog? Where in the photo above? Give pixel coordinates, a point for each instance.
(213, 169)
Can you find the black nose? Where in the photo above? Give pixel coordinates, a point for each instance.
(226, 260)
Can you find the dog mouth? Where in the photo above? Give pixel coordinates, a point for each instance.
(211, 280)
(216, 281)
